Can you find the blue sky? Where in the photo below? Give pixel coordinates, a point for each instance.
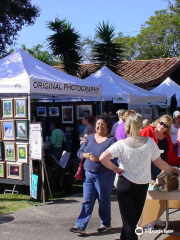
(126, 15)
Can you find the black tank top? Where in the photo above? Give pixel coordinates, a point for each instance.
(163, 145)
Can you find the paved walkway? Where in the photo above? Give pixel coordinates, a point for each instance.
(52, 222)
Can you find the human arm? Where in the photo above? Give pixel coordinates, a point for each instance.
(166, 167)
(105, 160)
(86, 155)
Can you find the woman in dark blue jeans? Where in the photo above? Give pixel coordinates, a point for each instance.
(98, 180)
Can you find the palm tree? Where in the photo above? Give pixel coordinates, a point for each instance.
(106, 52)
(65, 43)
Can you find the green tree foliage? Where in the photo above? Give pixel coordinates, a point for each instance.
(13, 16)
(106, 52)
(129, 46)
(65, 43)
(174, 6)
(42, 55)
(159, 36)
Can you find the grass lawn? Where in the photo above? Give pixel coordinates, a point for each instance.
(13, 202)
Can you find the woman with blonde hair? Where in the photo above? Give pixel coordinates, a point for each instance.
(145, 123)
(136, 153)
(160, 131)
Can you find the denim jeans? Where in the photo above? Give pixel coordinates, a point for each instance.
(96, 186)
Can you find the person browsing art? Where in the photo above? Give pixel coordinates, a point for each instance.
(89, 129)
(136, 153)
(57, 137)
(120, 113)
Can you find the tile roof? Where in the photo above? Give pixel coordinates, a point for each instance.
(144, 73)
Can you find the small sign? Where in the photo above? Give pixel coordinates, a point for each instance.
(34, 183)
(36, 141)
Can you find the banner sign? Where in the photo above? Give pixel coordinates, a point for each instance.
(36, 143)
(145, 111)
(64, 88)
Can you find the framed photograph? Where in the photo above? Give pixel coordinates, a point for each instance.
(41, 111)
(14, 170)
(9, 151)
(67, 114)
(2, 169)
(1, 150)
(7, 108)
(20, 108)
(22, 152)
(21, 129)
(83, 110)
(8, 132)
(53, 111)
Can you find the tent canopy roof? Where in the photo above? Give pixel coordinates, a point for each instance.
(121, 91)
(168, 87)
(22, 73)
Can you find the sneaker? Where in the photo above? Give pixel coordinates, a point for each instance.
(77, 230)
(103, 228)
(159, 224)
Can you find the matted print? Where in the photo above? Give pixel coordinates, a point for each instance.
(14, 170)
(67, 114)
(9, 151)
(82, 110)
(41, 111)
(21, 129)
(20, 108)
(53, 111)
(8, 131)
(7, 108)
(2, 169)
(22, 152)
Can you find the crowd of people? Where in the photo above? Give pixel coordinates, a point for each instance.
(143, 150)
(132, 149)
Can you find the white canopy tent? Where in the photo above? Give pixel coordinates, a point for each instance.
(21, 73)
(169, 87)
(121, 91)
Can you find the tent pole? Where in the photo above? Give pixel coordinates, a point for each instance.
(166, 108)
(101, 105)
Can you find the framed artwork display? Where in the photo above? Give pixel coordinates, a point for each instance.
(22, 152)
(21, 129)
(2, 169)
(83, 110)
(20, 108)
(9, 151)
(7, 108)
(41, 111)
(67, 114)
(8, 132)
(1, 150)
(14, 170)
(53, 111)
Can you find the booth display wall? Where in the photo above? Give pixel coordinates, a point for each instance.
(14, 124)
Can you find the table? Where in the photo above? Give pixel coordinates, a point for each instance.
(156, 203)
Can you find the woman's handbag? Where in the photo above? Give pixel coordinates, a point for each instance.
(80, 172)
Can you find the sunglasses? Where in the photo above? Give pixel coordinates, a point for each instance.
(163, 124)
